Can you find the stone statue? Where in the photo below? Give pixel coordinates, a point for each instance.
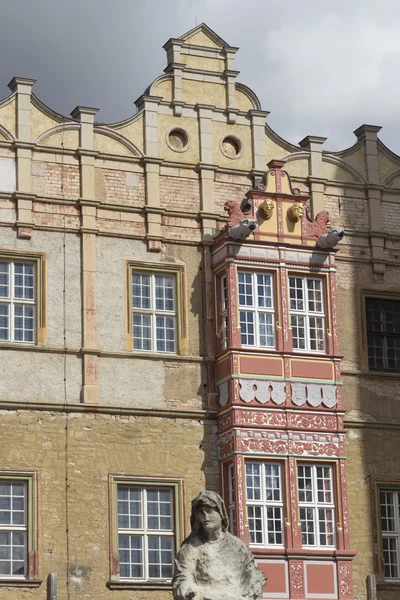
(212, 564)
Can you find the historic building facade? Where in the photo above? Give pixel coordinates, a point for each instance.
(152, 346)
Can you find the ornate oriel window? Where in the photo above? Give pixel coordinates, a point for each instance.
(256, 309)
(307, 313)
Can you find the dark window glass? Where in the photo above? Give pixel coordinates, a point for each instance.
(383, 332)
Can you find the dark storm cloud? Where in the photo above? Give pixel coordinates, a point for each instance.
(320, 67)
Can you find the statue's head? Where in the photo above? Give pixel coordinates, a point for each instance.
(208, 512)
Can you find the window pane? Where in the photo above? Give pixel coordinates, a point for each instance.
(253, 481)
(160, 556)
(324, 485)
(24, 284)
(390, 557)
(274, 525)
(4, 279)
(387, 502)
(307, 526)
(246, 320)
(130, 556)
(12, 552)
(4, 322)
(23, 322)
(165, 334)
(266, 329)
(141, 332)
(297, 323)
(164, 292)
(326, 527)
(129, 508)
(314, 291)
(296, 293)
(304, 483)
(272, 482)
(264, 291)
(246, 297)
(255, 524)
(317, 337)
(141, 291)
(159, 509)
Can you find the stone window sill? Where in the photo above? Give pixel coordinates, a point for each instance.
(138, 585)
(388, 585)
(26, 583)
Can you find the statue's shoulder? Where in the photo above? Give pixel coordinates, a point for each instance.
(189, 544)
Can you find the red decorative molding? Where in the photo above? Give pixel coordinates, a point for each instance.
(311, 421)
(345, 581)
(262, 418)
(296, 579)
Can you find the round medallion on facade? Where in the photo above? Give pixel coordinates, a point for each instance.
(231, 146)
(178, 139)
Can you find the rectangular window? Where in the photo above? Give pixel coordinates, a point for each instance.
(383, 333)
(316, 505)
(231, 499)
(256, 309)
(224, 312)
(390, 528)
(264, 503)
(145, 532)
(17, 301)
(154, 312)
(307, 317)
(13, 528)
(147, 529)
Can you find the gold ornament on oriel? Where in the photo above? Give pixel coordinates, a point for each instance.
(296, 212)
(267, 208)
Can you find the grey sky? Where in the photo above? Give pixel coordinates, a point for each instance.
(322, 67)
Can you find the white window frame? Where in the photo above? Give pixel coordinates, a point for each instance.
(232, 498)
(12, 302)
(153, 312)
(256, 310)
(266, 505)
(16, 528)
(390, 537)
(224, 312)
(144, 532)
(307, 314)
(315, 506)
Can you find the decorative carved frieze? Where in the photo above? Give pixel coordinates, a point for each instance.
(314, 422)
(281, 443)
(257, 417)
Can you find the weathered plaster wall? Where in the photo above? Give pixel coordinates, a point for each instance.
(97, 445)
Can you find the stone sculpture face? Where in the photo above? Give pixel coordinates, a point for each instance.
(212, 564)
